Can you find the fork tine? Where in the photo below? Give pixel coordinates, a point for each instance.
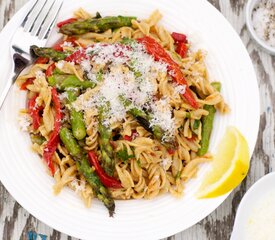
(41, 17)
(29, 13)
(50, 20)
(32, 15)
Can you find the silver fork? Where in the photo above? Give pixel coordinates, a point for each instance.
(34, 30)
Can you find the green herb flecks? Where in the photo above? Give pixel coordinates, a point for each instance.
(123, 155)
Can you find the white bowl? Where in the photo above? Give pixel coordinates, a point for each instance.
(253, 197)
(249, 8)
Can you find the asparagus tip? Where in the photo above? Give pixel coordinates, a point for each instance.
(145, 123)
(111, 210)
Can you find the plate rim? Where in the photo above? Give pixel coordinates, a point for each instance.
(14, 19)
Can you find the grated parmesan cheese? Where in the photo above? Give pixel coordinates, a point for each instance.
(87, 68)
(117, 54)
(78, 187)
(66, 44)
(131, 74)
(24, 121)
(39, 74)
(179, 89)
(63, 96)
(60, 64)
(166, 163)
(86, 65)
(162, 116)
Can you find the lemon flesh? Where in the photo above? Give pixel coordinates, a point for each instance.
(229, 166)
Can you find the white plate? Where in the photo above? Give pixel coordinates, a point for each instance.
(23, 173)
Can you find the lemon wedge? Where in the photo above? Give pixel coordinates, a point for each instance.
(229, 166)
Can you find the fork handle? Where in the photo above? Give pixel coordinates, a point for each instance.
(19, 63)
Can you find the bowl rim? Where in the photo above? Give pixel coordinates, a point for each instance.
(248, 12)
(257, 188)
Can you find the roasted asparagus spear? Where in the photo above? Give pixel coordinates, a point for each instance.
(101, 192)
(83, 166)
(48, 53)
(96, 25)
(108, 162)
(207, 124)
(143, 119)
(76, 117)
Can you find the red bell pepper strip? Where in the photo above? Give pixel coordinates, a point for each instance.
(59, 45)
(182, 49)
(113, 144)
(134, 134)
(70, 20)
(106, 180)
(171, 151)
(127, 138)
(78, 56)
(54, 140)
(158, 52)
(33, 110)
(50, 70)
(42, 60)
(179, 37)
(192, 139)
(26, 83)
